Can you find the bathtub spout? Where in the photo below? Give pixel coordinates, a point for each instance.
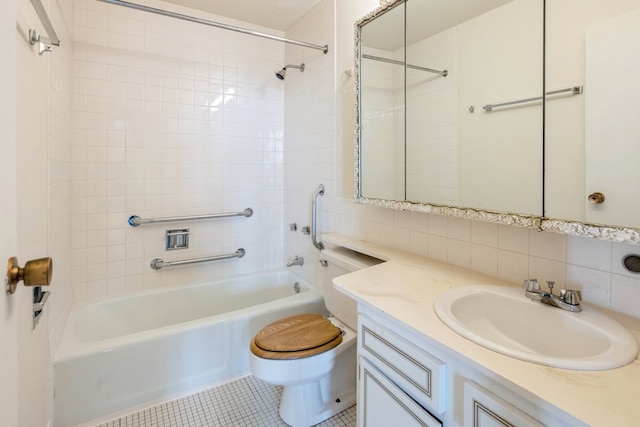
(296, 260)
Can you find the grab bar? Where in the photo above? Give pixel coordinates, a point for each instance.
(319, 192)
(574, 90)
(158, 263)
(135, 220)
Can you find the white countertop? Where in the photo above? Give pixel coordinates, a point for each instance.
(405, 288)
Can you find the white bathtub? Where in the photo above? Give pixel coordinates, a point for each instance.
(118, 353)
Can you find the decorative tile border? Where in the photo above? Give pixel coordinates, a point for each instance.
(603, 232)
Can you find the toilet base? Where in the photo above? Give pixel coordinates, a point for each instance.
(307, 404)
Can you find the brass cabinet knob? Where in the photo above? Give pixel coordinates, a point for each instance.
(36, 272)
(596, 198)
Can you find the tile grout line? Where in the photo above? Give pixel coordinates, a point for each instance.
(246, 401)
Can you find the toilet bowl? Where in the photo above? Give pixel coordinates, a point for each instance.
(314, 358)
(317, 386)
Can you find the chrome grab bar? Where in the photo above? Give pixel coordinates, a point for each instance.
(158, 263)
(135, 220)
(319, 192)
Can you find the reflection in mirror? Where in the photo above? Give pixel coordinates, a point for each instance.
(382, 158)
(449, 150)
(593, 141)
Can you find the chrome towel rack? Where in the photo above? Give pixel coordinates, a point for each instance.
(158, 263)
(135, 220)
(314, 207)
(574, 90)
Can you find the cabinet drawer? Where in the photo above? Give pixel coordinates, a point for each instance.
(484, 409)
(383, 404)
(419, 374)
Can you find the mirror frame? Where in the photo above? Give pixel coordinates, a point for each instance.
(541, 223)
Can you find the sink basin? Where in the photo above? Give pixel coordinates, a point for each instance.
(504, 320)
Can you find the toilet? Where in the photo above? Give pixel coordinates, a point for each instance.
(314, 357)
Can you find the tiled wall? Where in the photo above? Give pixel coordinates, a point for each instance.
(310, 135)
(171, 118)
(512, 253)
(156, 132)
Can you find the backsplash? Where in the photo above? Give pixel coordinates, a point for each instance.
(512, 253)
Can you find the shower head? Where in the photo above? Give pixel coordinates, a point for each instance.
(281, 74)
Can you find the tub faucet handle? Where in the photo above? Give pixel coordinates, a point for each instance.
(295, 260)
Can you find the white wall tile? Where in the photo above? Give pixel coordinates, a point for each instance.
(594, 284)
(590, 253)
(513, 266)
(513, 239)
(142, 130)
(625, 295)
(548, 245)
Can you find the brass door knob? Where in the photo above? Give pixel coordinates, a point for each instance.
(596, 198)
(36, 272)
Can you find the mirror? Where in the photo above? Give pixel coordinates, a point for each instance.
(381, 103)
(428, 72)
(427, 142)
(593, 141)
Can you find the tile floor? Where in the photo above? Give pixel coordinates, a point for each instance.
(246, 402)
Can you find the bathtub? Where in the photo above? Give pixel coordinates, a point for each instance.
(119, 353)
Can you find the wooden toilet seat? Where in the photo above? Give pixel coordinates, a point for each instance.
(295, 337)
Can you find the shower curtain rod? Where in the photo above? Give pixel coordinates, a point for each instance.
(46, 22)
(162, 12)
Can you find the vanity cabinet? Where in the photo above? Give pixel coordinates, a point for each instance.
(386, 404)
(484, 409)
(406, 380)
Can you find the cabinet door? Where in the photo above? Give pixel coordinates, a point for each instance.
(418, 373)
(484, 409)
(382, 404)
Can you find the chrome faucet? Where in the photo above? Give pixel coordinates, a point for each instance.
(296, 260)
(567, 300)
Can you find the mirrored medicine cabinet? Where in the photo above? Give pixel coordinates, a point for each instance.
(512, 111)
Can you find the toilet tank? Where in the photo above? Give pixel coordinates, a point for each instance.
(340, 261)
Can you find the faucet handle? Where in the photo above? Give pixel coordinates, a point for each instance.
(532, 285)
(570, 296)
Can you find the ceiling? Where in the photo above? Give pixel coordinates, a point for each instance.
(274, 14)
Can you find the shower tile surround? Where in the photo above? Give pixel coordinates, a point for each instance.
(171, 118)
